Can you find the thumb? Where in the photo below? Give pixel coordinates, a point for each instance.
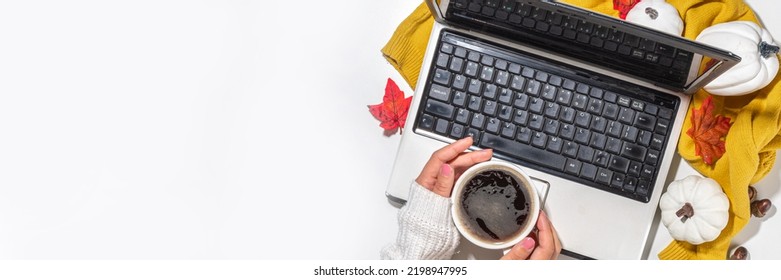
(520, 251)
(445, 181)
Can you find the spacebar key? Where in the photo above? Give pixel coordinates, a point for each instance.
(523, 152)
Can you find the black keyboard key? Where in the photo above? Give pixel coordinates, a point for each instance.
(426, 122)
(618, 181)
(478, 120)
(489, 91)
(604, 176)
(457, 131)
(583, 38)
(662, 126)
(583, 119)
(572, 167)
(471, 69)
(645, 121)
(610, 111)
(657, 141)
(552, 109)
(564, 97)
(630, 133)
(551, 127)
(439, 109)
(441, 126)
(665, 50)
(570, 149)
(665, 113)
(567, 131)
(524, 152)
(555, 144)
(475, 86)
(647, 172)
(442, 60)
(601, 158)
(439, 92)
(442, 76)
(490, 107)
(506, 113)
(567, 115)
(598, 141)
(618, 164)
(521, 117)
(585, 153)
(474, 133)
(459, 82)
(460, 52)
(652, 158)
(462, 116)
(508, 130)
(487, 60)
(474, 103)
(616, 36)
(524, 135)
(626, 115)
(474, 7)
(633, 151)
(505, 96)
(613, 145)
(539, 139)
(459, 98)
(588, 171)
(536, 105)
(493, 125)
(580, 101)
(582, 136)
(634, 169)
(644, 138)
(456, 65)
(598, 124)
(536, 122)
(446, 48)
(642, 189)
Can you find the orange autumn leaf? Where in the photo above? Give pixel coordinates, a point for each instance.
(707, 131)
(392, 112)
(623, 7)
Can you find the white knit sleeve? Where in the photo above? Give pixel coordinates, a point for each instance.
(426, 229)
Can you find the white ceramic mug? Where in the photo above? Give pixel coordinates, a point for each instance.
(494, 207)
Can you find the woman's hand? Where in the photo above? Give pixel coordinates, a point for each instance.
(548, 248)
(446, 164)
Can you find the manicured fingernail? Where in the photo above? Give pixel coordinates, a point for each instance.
(446, 170)
(527, 243)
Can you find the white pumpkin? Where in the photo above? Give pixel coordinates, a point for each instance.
(656, 14)
(694, 209)
(758, 65)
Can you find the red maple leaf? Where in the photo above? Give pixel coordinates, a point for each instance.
(707, 131)
(623, 7)
(392, 112)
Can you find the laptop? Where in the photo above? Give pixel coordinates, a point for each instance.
(587, 104)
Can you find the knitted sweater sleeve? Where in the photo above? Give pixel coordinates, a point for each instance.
(426, 229)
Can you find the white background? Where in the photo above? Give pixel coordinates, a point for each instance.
(206, 130)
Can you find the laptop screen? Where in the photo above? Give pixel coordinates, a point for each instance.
(665, 60)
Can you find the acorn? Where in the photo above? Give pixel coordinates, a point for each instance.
(740, 253)
(752, 193)
(760, 207)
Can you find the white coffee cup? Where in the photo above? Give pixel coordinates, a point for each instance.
(492, 217)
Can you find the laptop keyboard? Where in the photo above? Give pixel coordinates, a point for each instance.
(546, 118)
(576, 37)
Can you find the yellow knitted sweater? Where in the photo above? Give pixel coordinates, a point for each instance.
(750, 145)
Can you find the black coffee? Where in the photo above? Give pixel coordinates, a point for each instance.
(495, 206)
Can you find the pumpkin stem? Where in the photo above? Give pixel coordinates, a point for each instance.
(685, 212)
(651, 12)
(766, 49)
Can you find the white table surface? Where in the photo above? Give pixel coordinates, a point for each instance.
(199, 129)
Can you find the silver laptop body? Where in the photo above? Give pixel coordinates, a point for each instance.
(591, 222)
